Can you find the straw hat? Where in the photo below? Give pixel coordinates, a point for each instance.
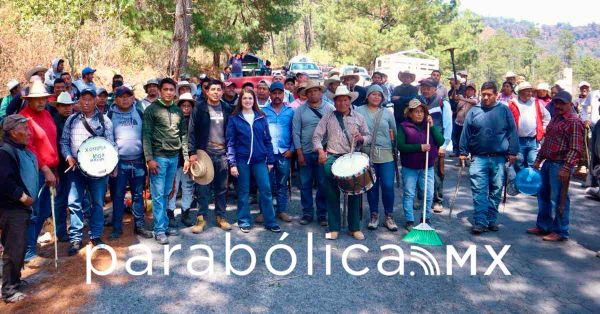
(202, 170)
(509, 74)
(411, 76)
(311, 84)
(523, 86)
(332, 79)
(35, 70)
(12, 84)
(65, 99)
(37, 90)
(342, 90)
(543, 86)
(185, 97)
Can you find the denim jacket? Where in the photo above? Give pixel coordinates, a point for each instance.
(280, 127)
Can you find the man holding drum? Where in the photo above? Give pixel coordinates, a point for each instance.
(344, 129)
(89, 123)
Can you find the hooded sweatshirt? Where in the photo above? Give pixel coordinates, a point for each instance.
(127, 127)
(52, 73)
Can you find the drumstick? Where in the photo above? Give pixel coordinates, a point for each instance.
(70, 167)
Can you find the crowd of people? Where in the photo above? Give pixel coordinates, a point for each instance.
(197, 135)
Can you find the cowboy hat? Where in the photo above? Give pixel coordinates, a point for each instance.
(523, 86)
(35, 70)
(202, 171)
(37, 90)
(407, 73)
(185, 97)
(543, 86)
(65, 99)
(349, 74)
(311, 84)
(342, 90)
(509, 74)
(12, 84)
(332, 79)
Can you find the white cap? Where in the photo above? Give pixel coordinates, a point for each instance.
(584, 83)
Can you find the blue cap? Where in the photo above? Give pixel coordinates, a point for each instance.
(88, 91)
(122, 91)
(276, 85)
(563, 96)
(87, 70)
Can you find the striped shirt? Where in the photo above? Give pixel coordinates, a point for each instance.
(75, 132)
(563, 140)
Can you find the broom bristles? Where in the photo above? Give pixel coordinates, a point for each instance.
(423, 234)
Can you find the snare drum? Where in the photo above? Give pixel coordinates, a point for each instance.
(97, 157)
(353, 173)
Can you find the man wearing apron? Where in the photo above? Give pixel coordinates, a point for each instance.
(89, 122)
(345, 129)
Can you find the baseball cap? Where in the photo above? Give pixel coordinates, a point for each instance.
(564, 96)
(264, 82)
(87, 70)
(13, 121)
(101, 90)
(88, 91)
(123, 90)
(229, 83)
(276, 85)
(428, 82)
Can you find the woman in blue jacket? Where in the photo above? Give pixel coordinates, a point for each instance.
(249, 150)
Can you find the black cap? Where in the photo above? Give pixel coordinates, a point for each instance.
(564, 96)
(428, 82)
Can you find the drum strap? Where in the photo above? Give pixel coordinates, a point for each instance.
(340, 120)
(375, 130)
(89, 128)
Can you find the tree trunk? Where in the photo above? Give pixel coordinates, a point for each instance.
(179, 50)
(308, 38)
(217, 61)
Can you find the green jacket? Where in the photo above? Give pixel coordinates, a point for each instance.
(164, 131)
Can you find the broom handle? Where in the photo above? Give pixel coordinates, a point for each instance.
(426, 168)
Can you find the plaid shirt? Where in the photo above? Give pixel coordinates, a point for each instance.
(563, 140)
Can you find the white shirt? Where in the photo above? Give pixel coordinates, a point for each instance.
(591, 105)
(249, 117)
(528, 117)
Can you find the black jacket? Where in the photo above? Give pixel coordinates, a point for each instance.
(11, 184)
(362, 95)
(199, 126)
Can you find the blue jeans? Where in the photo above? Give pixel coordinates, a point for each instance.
(487, 178)
(385, 182)
(219, 186)
(308, 174)
(261, 174)
(528, 150)
(187, 190)
(548, 198)
(61, 202)
(133, 173)
(41, 211)
(96, 189)
(279, 177)
(160, 186)
(410, 179)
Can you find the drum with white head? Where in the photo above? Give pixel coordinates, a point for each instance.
(97, 157)
(353, 173)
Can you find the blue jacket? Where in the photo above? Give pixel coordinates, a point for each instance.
(489, 130)
(251, 146)
(281, 124)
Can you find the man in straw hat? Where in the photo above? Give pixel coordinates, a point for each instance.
(331, 84)
(74, 134)
(207, 134)
(37, 71)
(490, 137)
(531, 118)
(43, 143)
(350, 79)
(131, 169)
(18, 191)
(64, 108)
(402, 94)
(306, 118)
(511, 77)
(560, 152)
(14, 88)
(151, 89)
(340, 128)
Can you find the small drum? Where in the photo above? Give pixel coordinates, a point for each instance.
(529, 181)
(97, 157)
(353, 173)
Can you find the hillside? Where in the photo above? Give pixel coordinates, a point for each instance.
(587, 38)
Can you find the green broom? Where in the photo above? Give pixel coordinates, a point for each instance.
(424, 234)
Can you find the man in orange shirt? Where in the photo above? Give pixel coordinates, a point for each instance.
(43, 145)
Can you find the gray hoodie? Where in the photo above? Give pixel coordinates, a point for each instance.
(127, 128)
(52, 73)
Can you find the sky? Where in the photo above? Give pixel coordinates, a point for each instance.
(549, 12)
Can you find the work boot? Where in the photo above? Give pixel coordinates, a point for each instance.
(478, 229)
(390, 224)
(306, 220)
(161, 238)
(374, 222)
(537, 231)
(141, 231)
(200, 224)
(409, 225)
(186, 218)
(493, 226)
(75, 247)
(284, 217)
(223, 224)
(438, 208)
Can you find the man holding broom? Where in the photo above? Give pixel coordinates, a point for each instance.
(560, 152)
(490, 136)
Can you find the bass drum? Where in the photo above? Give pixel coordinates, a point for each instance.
(97, 157)
(353, 173)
